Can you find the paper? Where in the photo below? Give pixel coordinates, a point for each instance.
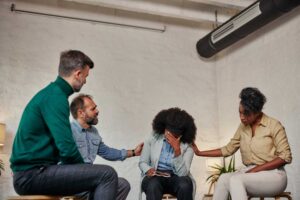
(163, 174)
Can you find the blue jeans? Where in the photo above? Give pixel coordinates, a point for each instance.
(100, 180)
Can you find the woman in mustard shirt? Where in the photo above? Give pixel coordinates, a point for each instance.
(264, 149)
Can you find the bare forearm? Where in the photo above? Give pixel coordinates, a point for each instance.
(274, 164)
(210, 153)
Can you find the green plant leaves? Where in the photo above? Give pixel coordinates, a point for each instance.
(219, 170)
(224, 169)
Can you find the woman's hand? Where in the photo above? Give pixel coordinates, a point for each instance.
(174, 142)
(209, 153)
(195, 149)
(274, 164)
(150, 172)
(252, 170)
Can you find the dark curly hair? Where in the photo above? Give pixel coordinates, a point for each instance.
(252, 100)
(176, 121)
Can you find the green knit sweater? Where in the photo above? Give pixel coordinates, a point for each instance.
(44, 136)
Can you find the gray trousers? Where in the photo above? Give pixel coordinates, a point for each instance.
(100, 180)
(240, 184)
(123, 190)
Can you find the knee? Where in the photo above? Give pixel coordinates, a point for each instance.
(124, 184)
(235, 180)
(107, 172)
(153, 186)
(224, 180)
(112, 173)
(185, 184)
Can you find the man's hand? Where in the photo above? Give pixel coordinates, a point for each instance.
(138, 149)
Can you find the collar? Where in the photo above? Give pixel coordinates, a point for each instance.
(64, 85)
(79, 127)
(263, 120)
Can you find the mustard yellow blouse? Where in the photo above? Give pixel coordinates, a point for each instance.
(269, 142)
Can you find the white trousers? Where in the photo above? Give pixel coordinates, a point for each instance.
(240, 184)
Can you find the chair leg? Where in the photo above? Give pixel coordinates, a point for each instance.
(286, 195)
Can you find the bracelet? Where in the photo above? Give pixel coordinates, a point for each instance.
(133, 153)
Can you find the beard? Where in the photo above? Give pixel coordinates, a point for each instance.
(78, 85)
(77, 88)
(91, 120)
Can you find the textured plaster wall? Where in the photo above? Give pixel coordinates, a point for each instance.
(137, 73)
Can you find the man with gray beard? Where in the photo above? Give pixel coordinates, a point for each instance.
(90, 143)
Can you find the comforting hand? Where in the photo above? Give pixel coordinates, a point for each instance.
(138, 149)
(150, 172)
(195, 148)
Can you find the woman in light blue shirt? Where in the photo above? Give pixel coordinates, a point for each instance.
(167, 156)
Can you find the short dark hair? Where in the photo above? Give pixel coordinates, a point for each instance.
(71, 60)
(177, 121)
(252, 100)
(78, 103)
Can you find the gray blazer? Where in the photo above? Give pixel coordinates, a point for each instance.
(151, 153)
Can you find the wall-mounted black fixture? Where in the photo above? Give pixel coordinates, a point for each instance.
(247, 21)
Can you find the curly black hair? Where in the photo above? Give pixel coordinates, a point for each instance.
(252, 100)
(176, 121)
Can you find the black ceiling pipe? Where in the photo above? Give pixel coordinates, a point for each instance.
(247, 21)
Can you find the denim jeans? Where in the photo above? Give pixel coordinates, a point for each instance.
(100, 180)
(179, 186)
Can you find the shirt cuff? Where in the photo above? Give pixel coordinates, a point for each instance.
(124, 154)
(225, 152)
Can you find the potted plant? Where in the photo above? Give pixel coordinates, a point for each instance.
(212, 179)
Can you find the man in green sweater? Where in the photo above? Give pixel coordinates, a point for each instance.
(45, 159)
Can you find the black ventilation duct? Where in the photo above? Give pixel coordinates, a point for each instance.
(247, 21)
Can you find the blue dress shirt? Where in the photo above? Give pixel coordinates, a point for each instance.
(166, 156)
(90, 144)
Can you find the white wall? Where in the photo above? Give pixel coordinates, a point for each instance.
(140, 72)
(269, 60)
(137, 73)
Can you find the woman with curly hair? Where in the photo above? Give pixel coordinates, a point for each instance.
(264, 149)
(167, 156)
